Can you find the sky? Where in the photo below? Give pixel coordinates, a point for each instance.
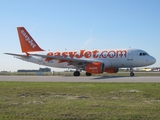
(79, 24)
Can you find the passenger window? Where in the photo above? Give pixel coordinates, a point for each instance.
(105, 55)
(145, 53)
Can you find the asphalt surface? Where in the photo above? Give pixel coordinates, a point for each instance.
(79, 79)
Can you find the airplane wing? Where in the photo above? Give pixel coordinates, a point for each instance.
(61, 59)
(66, 59)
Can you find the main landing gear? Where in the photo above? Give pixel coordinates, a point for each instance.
(77, 73)
(88, 74)
(131, 72)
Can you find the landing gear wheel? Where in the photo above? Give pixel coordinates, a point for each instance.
(131, 74)
(76, 73)
(88, 74)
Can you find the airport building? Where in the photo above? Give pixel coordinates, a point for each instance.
(40, 70)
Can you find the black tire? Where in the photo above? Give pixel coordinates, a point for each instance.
(76, 73)
(131, 74)
(88, 74)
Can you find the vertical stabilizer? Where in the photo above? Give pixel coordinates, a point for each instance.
(27, 42)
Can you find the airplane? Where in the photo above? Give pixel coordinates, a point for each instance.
(92, 61)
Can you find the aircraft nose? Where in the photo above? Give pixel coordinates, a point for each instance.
(153, 60)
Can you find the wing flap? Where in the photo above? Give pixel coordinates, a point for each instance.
(65, 59)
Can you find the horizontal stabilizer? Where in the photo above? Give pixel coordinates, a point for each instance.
(20, 55)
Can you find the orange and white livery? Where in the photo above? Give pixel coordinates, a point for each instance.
(92, 61)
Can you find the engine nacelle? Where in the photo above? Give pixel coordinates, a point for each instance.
(95, 67)
(111, 70)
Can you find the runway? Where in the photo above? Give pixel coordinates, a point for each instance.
(155, 79)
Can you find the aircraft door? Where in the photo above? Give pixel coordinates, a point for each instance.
(130, 55)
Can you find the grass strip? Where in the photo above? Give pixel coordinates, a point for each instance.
(111, 101)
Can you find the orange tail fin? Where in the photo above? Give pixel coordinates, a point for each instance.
(27, 42)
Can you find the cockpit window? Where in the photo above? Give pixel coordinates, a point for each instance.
(143, 54)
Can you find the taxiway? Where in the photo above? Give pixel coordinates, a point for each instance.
(79, 79)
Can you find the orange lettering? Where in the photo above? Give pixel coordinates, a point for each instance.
(65, 54)
(103, 55)
(120, 52)
(49, 54)
(87, 54)
(81, 54)
(95, 53)
(57, 53)
(111, 54)
(72, 54)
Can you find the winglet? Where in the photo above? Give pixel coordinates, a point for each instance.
(27, 42)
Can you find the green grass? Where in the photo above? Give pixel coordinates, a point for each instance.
(111, 101)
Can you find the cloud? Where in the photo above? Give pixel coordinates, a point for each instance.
(88, 41)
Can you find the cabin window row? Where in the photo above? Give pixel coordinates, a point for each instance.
(143, 54)
(103, 55)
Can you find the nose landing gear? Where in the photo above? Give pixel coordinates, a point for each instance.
(131, 72)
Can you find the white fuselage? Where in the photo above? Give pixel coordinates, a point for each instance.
(119, 58)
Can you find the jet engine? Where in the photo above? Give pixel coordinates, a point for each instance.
(95, 67)
(111, 70)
